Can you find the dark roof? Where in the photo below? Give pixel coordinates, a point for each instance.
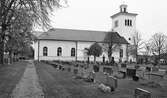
(80, 35)
(123, 13)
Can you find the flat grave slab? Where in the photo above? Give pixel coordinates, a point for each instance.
(141, 93)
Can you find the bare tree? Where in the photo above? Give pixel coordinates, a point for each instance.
(158, 42)
(35, 11)
(136, 46)
(111, 44)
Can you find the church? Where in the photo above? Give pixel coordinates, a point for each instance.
(71, 45)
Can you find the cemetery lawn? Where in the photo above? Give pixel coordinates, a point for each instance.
(9, 77)
(61, 84)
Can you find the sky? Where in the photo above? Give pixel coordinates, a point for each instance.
(95, 15)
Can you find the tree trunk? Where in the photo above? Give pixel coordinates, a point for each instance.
(10, 57)
(136, 57)
(110, 52)
(94, 59)
(2, 37)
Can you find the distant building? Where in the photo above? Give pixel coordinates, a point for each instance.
(68, 44)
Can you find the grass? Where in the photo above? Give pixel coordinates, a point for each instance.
(9, 77)
(61, 84)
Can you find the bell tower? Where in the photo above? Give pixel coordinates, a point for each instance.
(124, 22)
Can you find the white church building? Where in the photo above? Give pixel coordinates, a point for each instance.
(71, 45)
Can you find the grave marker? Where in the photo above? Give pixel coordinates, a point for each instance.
(112, 82)
(131, 72)
(100, 77)
(155, 68)
(75, 71)
(123, 65)
(141, 93)
(108, 70)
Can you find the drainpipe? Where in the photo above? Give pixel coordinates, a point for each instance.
(76, 51)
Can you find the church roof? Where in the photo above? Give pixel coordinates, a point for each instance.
(80, 35)
(123, 13)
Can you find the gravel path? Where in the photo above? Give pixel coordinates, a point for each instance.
(28, 86)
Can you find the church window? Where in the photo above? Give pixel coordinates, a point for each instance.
(124, 9)
(45, 51)
(116, 23)
(130, 22)
(72, 51)
(59, 51)
(121, 53)
(125, 22)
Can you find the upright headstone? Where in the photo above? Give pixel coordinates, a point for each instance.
(112, 82)
(141, 93)
(75, 71)
(100, 77)
(123, 65)
(96, 68)
(131, 72)
(155, 68)
(148, 69)
(69, 69)
(108, 70)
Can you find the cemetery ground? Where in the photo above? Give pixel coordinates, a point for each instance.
(60, 83)
(10, 75)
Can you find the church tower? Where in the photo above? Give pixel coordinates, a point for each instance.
(124, 23)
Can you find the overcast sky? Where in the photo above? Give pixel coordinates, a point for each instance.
(95, 15)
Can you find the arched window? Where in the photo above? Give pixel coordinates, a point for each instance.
(45, 51)
(130, 22)
(121, 53)
(59, 51)
(72, 51)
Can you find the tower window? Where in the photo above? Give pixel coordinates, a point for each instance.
(116, 23)
(59, 51)
(45, 51)
(128, 22)
(72, 51)
(124, 9)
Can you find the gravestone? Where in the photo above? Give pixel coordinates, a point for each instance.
(96, 68)
(122, 74)
(75, 71)
(108, 70)
(91, 76)
(60, 67)
(81, 71)
(135, 78)
(155, 68)
(112, 82)
(69, 69)
(100, 77)
(123, 65)
(131, 72)
(141, 93)
(148, 69)
(85, 73)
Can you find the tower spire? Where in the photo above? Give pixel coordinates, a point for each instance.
(123, 8)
